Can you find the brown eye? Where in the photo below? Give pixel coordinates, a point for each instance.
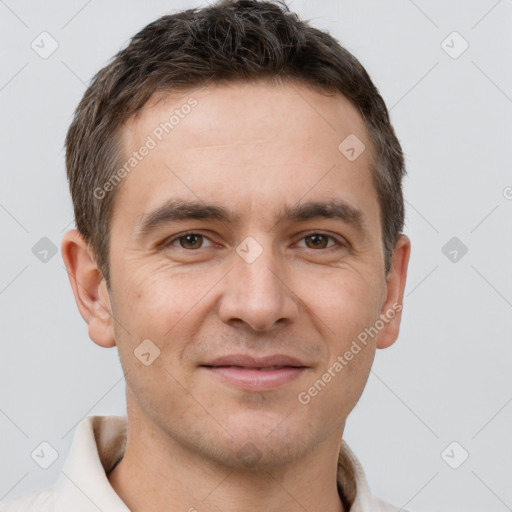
(187, 241)
(319, 241)
(191, 241)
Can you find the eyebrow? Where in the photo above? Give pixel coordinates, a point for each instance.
(175, 210)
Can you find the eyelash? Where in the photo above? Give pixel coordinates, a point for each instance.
(175, 238)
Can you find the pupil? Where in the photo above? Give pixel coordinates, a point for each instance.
(317, 239)
(191, 239)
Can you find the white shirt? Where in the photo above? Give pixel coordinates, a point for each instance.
(99, 443)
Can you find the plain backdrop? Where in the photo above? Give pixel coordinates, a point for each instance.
(441, 393)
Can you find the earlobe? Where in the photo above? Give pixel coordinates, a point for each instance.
(89, 289)
(395, 283)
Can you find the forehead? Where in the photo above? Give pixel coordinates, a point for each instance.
(253, 146)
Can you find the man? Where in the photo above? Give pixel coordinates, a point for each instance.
(237, 191)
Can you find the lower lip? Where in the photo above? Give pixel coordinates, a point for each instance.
(252, 379)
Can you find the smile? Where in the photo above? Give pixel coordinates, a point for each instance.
(257, 379)
(256, 374)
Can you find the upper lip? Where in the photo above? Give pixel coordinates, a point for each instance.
(247, 361)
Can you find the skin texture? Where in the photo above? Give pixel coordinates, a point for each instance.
(195, 440)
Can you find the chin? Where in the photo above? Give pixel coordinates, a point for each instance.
(265, 442)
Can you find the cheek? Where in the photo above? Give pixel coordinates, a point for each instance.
(349, 308)
(166, 309)
(350, 302)
(156, 299)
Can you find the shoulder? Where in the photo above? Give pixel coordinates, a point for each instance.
(40, 500)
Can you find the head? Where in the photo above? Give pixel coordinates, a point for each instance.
(237, 188)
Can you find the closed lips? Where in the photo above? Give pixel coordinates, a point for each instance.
(274, 362)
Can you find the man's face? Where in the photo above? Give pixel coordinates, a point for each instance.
(258, 283)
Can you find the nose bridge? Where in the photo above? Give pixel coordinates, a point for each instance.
(256, 293)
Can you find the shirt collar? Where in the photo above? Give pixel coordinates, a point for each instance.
(99, 443)
(82, 485)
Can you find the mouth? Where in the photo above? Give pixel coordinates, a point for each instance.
(256, 374)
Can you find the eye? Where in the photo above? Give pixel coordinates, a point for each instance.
(188, 241)
(193, 241)
(319, 241)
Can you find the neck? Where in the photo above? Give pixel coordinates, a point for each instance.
(157, 474)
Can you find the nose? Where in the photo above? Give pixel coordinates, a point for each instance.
(257, 293)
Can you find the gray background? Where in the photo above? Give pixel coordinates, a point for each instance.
(448, 378)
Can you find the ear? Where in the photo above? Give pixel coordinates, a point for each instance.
(89, 288)
(395, 285)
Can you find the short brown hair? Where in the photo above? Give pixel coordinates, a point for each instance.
(229, 41)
